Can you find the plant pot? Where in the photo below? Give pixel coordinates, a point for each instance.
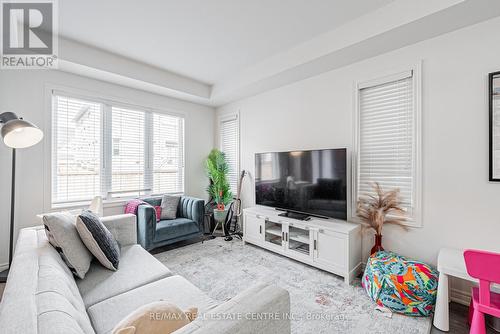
(220, 215)
(378, 244)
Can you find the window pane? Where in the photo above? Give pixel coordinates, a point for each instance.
(168, 164)
(76, 149)
(127, 161)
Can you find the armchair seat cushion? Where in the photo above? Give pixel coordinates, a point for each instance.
(137, 268)
(174, 228)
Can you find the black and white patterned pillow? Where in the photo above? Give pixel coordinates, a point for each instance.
(98, 239)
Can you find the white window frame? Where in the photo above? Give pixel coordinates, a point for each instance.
(416, 220)
(224, 118)
(107, 101)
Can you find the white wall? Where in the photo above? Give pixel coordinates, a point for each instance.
(23, 92)
(460, 207)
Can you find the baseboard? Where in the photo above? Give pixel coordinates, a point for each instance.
(460, 296)
(4, 266)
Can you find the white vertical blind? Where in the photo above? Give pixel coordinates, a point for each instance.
(128, 156)
(386, 149)
(102, 148)
(168, 153)
(229, 144)
(76, 149)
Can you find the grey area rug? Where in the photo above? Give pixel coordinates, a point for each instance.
(320, 302)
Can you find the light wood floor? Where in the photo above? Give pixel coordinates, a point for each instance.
(458, 321)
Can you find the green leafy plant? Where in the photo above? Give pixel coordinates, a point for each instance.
(217, 169)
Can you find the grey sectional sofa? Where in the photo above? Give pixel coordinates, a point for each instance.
(42, 296)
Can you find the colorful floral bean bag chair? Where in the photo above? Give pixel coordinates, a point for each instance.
(402, 285)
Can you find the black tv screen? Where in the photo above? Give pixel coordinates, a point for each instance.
(312, 182)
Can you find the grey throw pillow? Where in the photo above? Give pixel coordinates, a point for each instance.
(61, 231)
(169, 206)
(98, 239)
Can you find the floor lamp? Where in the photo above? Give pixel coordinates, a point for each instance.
(16, 133)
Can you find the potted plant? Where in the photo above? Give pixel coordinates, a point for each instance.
(219, 190)
(382, 208)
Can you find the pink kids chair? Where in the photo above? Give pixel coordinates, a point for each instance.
(484, 266)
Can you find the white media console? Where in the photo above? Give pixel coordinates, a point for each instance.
(329, 244)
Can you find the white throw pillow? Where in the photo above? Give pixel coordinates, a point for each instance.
(60, 228)
(169, 206)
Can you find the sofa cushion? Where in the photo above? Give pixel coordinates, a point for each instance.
(170, 229)
(60, 228)
(137, 268)
(175, 289)
(169, 206)
(58, 299)
(98, 239)
(41, 295)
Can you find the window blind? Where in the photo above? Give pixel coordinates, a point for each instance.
(229, 144)
(386, 138)
(128, 153)
(102, 148)
(76, 150)
(168, 153)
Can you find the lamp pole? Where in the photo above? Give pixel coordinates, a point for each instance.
(12, 206)
(16, 133)
(4, 274)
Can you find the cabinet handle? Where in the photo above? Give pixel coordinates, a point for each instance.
(283, 236)
(315, 244)
(260, 229)
(286, 234)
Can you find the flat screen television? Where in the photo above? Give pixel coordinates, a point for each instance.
(312, 182)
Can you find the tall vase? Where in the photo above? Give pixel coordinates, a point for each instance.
(378, 244)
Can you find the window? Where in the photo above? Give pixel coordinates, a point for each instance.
(230, 145)
(77, 146)
(168, 153)
(103, 148)
(388, 139)
(128, 166)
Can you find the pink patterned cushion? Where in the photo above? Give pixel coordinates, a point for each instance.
(133, 205)
(158, 213)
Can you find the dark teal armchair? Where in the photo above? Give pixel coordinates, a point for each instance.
(188, 225)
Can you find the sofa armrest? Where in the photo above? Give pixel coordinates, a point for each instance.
(260, 309)
(192, 208)
(146, 225)
(123, 227)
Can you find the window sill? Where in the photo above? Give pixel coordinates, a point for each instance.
(112, 203)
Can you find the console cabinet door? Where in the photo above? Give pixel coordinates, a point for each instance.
(275, 235)
(253, 229)
(330, 249)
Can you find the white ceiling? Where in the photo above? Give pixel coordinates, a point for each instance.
(207, 40)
